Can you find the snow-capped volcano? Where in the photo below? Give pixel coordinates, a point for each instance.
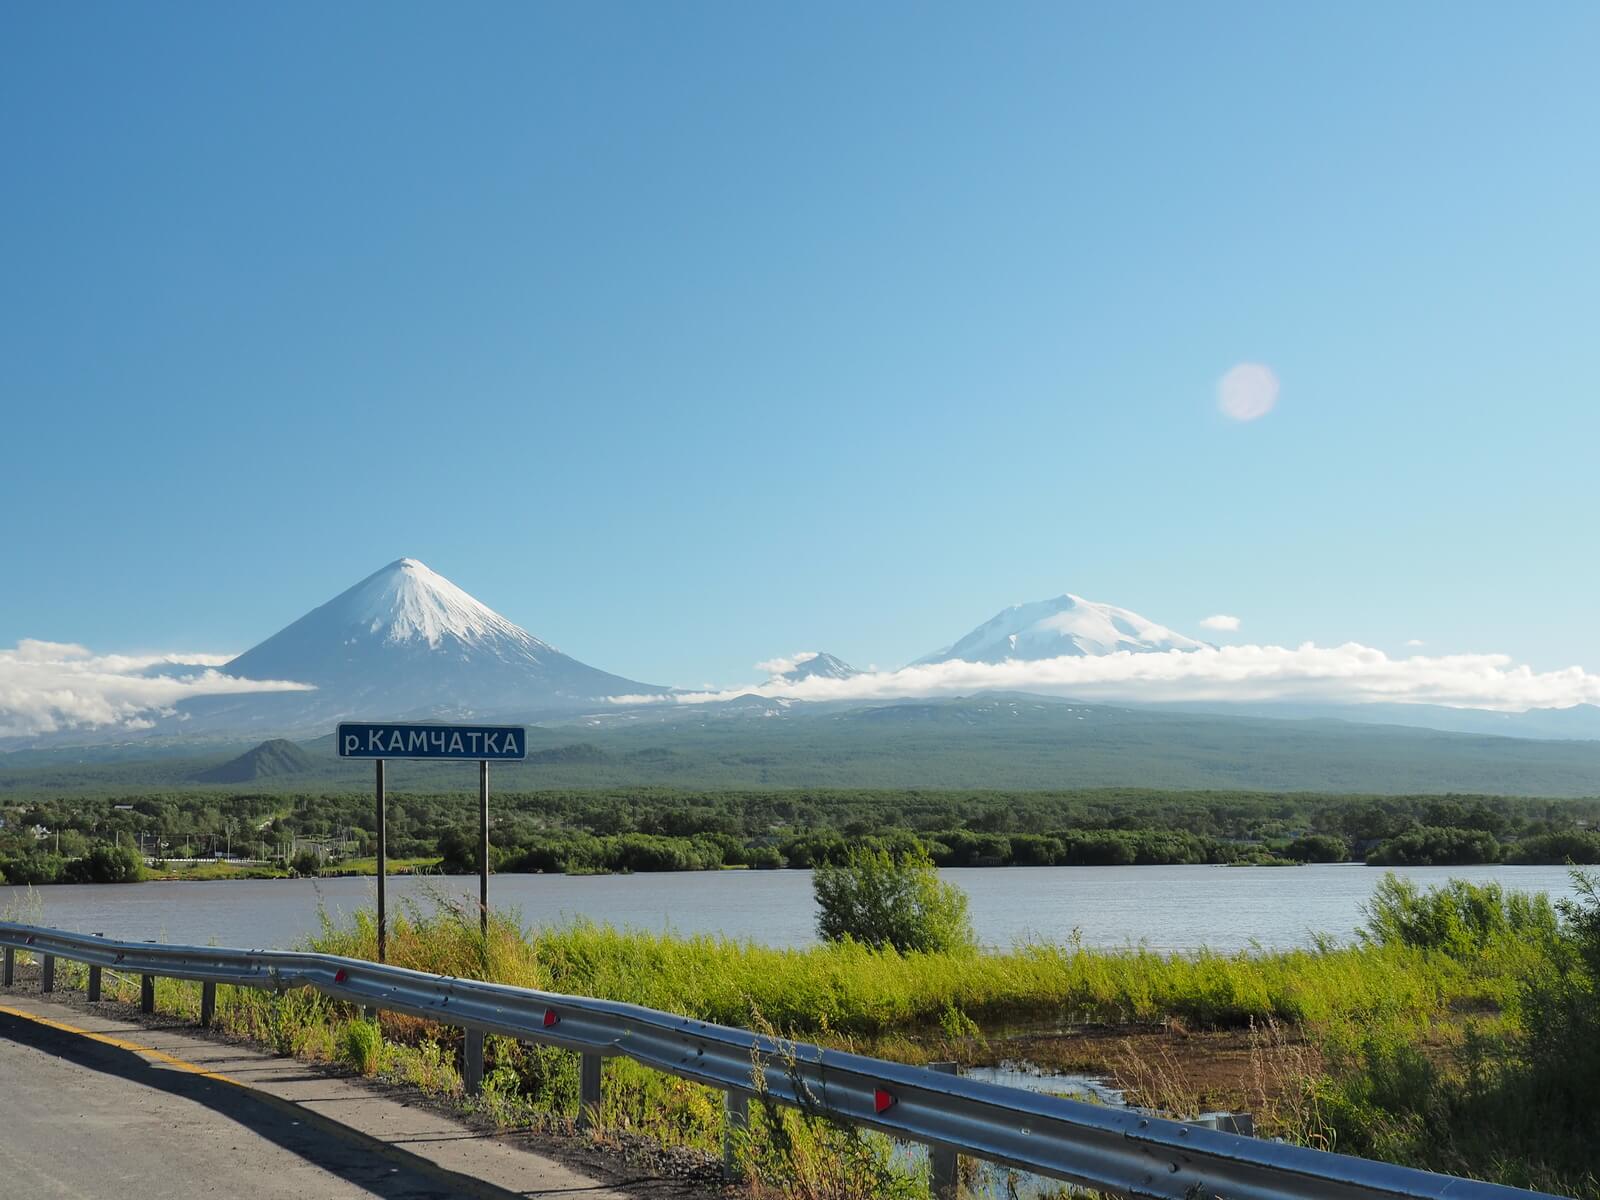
(405, 641)
(810, 664)
(1066, 625)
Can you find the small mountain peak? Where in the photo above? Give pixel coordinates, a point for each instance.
(266, 761)
(407, 601)
(809, 664)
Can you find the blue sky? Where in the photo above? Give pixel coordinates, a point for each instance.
(688, 335)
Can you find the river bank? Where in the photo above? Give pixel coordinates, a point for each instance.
(1178, 909)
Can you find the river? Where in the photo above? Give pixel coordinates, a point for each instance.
(1164, 908)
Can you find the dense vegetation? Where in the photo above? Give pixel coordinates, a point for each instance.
(665, 830)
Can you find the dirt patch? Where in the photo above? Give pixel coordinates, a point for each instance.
(1166, 1068)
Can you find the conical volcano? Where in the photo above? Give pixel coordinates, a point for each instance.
(406, 642)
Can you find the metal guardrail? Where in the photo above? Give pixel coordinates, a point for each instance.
(1104, 1148)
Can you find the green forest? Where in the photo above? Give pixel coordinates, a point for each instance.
(110, 838)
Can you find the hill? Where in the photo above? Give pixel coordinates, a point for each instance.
(270, 760)
(994, 741)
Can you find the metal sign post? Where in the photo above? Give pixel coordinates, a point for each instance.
(483, 846)
(481, 743)
(383, 866)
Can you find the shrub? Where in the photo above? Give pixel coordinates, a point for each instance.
(106, 864)
(361, 1045)
(881, 901)
(1462, 919)
(1318, 848)
(1561, 1017)
(34, 867)
(765, 858)
(458, 853)
(1434, 846)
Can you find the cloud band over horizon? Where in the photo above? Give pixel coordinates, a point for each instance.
(1347, 674)
(55, 687)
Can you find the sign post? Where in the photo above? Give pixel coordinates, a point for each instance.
(483, 743)
(483, 847)
(383, 865)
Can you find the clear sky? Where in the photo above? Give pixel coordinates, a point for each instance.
(686, 335)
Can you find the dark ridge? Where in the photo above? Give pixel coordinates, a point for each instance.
(267, 761)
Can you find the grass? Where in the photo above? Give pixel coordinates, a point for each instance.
(225, 870)
(424, 865)
(214, 870)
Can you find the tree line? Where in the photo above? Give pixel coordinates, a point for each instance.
(672, 830)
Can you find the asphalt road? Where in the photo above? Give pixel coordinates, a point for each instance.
(96, 1108)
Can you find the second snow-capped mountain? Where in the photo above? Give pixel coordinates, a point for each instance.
(1066, 625)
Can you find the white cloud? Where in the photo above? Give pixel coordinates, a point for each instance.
(775, 667)
(1221, 622)
(1351, 673)
(50, 687)
(1415, 642)
(1247, 392)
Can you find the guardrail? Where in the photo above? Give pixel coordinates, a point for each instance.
(1108, 1149)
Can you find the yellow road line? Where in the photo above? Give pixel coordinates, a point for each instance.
(123, 1044)
(457, 1184)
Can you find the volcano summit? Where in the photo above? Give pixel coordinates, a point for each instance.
(406, 642)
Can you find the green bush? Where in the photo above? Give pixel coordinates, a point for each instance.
(35, 867)
(1560, 1013)
(106, 864)
(361, 1046)
(879, 900)
(1460, 918)
(1318, 848)
(1435, 846)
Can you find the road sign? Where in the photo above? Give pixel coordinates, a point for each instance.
(479, 743)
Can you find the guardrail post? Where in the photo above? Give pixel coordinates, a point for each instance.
(47, 974)
(208, 1003)
(1241, 1123)
(8, 971)
(944, 1164)
(472, 1062)
(147, 993)
(735, 1120)
(589, 1092)
(94, 979)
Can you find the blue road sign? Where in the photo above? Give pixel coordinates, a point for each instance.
(478, 743)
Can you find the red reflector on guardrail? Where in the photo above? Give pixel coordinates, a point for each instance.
(341, 975)
(551, 1019)
(882, 1101)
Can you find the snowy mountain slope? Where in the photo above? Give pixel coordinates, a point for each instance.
(406, 642)
(813, 664)
(1066, 625)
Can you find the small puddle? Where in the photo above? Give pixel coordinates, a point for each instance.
(1090, 1088)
